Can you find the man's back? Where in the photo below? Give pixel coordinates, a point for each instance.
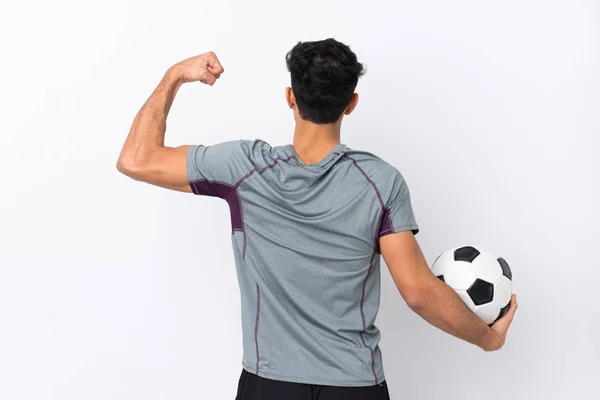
(305, 239)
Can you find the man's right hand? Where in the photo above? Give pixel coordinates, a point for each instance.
(497, 335)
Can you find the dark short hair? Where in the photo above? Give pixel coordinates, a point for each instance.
(324, 75)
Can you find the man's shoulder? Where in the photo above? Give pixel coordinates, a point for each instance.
(260, 152)
(252, 148)
(254, 144)
(386, 178)
(373, 165)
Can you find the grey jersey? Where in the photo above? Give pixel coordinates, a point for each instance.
(305, 240)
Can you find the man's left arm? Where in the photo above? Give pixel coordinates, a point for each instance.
(144, 156)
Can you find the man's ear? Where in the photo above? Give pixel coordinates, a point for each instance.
(352, 104)
(289, 96)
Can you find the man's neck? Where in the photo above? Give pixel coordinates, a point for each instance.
(312, 142)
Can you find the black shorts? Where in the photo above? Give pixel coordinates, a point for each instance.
(254, 387)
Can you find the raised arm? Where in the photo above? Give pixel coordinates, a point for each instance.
(144, 156)
(435, 301)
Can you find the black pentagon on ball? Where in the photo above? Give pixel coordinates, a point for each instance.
(503, 311)
(505, 268)
(467, 254)
(481, 292)
(441, 278)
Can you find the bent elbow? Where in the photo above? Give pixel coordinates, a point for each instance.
(128, 166)
(123, 166)
(415, 299)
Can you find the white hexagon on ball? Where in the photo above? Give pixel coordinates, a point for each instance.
(488, 312)
(487, 267)
(460, 275)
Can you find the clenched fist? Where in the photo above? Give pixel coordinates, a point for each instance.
(205, 68)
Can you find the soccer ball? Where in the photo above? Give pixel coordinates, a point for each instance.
(482, 281)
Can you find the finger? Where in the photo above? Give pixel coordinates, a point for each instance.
(214, 65)
(513, 305)
(504, 322)
(208, 78)
(510, 313)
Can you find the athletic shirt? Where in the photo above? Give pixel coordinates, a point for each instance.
(305, 240)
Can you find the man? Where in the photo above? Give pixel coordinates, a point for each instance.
(309, 222)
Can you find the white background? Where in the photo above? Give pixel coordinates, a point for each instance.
(110, 289)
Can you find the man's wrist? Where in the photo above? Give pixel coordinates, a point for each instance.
(175, 75)
(490, 341)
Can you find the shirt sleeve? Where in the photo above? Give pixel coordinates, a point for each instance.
(215, 170)
(398, 213)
